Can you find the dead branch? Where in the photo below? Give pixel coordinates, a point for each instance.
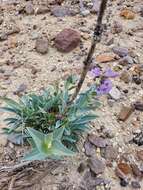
(96, 39)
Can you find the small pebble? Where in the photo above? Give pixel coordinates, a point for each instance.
(124, 182)
(41, 45)
(115, 93)
(121, 51)
(135, 185)
(85, 12)
(126, 60)
(137, 80)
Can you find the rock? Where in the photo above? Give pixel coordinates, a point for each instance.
(136, 70)
(22, 88)
(84, 12)
(82, 167)
(103, 58)
(61, 11)
(115, 93)
(126, 77)
(108, 133)
(67, 40)
(138, 139)
(137, 79)
(29, 9)
(110, 41)
(120, 51)
(124, 182)
(101, 181)
(126, 60)
(41, 45)
(137, 130)
(125, 168)
(136, 171)
(3, 36)
(96, 165)
(123, 179)
(34, 70)
(89, 182)
(89, 148)
(127, 14)
(110, 153)
(120, 174)
(117, 27)
(34, 35)
(111, 102)
(125, 113)
(14, 30)
(125, 91)
(97, 141)
(138, 106)
(42, 10)
(54, 68)
(140, 155)
(135, 185)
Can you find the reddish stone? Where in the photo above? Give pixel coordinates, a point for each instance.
(125, 168)
(67, 40)
(119, 173)
(127, 14)
(125, 113)
(104, 58)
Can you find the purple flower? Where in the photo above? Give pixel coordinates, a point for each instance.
(96, 72)
(105, 87)
(110, 73)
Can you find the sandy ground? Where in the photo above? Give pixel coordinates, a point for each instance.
(22, 58)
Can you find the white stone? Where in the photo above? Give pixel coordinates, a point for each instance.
(115, 93)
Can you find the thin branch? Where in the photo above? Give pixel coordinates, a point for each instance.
(12, 183)
(15, 167)
(96, 39)
(27, 163)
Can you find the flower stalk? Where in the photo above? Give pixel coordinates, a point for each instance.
(96, 39)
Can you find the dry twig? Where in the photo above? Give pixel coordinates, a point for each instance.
(12, 183)
(96, 39)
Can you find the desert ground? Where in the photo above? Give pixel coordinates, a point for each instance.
(30, 65)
